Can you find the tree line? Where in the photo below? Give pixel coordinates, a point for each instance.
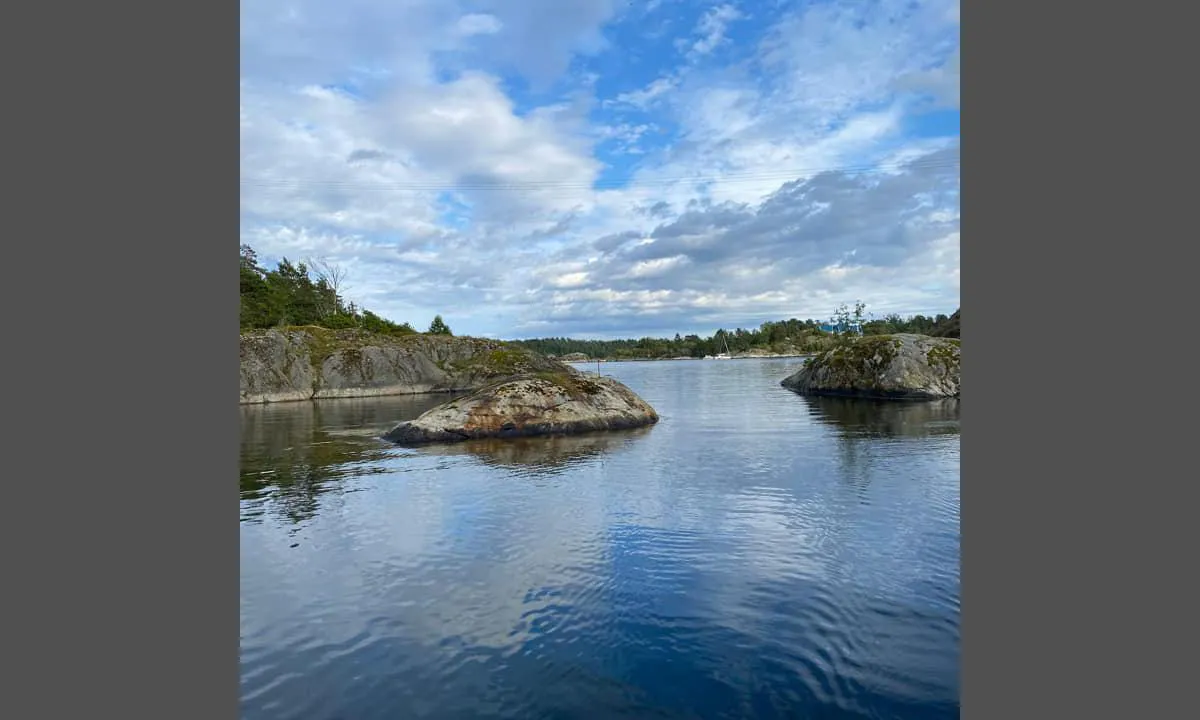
(311, 294)
(308, 294)
(781, 337)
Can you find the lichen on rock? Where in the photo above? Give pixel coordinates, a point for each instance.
(902, 366)
(563, 403)
(310, 362)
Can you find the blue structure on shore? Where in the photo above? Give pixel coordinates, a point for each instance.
(841, 328)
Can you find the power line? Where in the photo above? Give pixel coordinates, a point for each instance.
(733, 178)
(728, 178)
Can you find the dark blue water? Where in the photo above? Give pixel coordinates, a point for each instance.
(755, 555)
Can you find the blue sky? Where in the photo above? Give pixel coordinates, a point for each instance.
(594, 168)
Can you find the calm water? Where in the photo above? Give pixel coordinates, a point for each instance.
(756, 554)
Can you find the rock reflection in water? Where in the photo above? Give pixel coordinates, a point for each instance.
(292, 453)
(542, 455)
(757, 554)
(856, 417)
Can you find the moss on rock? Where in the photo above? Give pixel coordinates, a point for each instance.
(577, 385)
(304, 362)
(945, 356)
(902, 366)
(858, 363)
(544, 403)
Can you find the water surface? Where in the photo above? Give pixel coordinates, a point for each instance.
(755, 554)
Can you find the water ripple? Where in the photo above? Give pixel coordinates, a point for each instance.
(756, 554)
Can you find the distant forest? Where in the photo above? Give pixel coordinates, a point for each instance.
(786, 336)
(310, 294)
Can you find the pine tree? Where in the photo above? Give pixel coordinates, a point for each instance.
(439, 327)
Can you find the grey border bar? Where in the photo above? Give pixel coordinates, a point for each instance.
(121, 515)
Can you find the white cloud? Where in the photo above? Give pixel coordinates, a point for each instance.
(657, 266)
(575, 279)
(541, 36)
(712, 26)
(889, 238)
(645, 96)
(396, 138)
(380, 166)
(942, 83)
(479, 24)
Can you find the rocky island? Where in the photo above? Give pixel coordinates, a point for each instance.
(563, 402)
(892, 367)
(515, 392)
(309, 363)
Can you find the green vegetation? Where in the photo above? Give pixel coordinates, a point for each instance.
(308, 294)
(949, 328)
(501, 362)
(784, 337)
(290, 295)
(864, 363)
(576, 386)
(945, 356)
(323, 343)
(790, 336)
(863, 358)
(939, 326)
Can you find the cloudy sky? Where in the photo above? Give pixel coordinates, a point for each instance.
(596, 168)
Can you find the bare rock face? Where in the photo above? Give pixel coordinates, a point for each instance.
(309, 363)
(900, 367)
(563, 403)
(275, 365)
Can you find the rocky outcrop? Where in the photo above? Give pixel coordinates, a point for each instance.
(277, 367)
(574, 357)
(902, 367)
(561, 403)
(311, 363)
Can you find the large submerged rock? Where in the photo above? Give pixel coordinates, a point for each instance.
(562, 403)
(900, 367)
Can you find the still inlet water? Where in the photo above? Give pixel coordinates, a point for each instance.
(756, 554)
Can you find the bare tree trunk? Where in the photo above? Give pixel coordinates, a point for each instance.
(335, 278)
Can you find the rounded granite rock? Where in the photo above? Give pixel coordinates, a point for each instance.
(542, 404)
(899, 367)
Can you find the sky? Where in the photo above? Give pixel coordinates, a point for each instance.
(601, 169)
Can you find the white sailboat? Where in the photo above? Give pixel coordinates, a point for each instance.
(725, 355)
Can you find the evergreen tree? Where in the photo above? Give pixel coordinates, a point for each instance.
(439, 327)
(288, 295)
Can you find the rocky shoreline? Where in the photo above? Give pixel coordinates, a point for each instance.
(310, 363)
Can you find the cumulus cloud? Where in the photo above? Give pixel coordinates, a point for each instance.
(834, 235)
(462, 134)
(526, 165)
